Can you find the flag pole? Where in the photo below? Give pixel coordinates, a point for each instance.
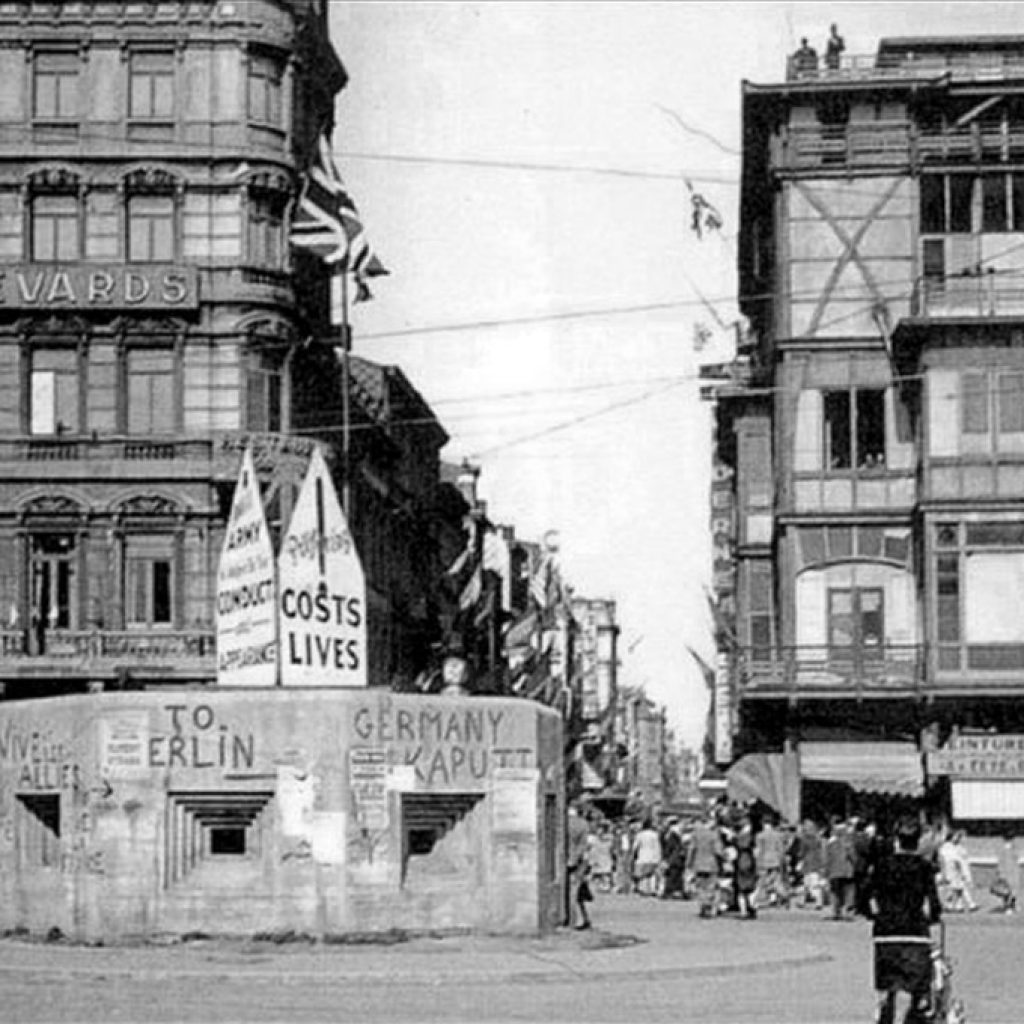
(345, 331)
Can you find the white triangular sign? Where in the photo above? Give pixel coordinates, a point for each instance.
(322, 603)
(246, 598)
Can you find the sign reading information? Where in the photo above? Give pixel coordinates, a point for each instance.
(322, 602)
(989, 756)
(246, 619)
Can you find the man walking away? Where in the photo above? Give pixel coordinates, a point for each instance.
(839, 869)
(578, 866)
(904, 903)
(704, 860)
(771, 855)
(812, 865)
(647, 859)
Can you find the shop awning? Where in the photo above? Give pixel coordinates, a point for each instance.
(870, 767)
(770, 778)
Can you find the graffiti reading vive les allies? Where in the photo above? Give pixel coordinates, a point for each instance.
(443, 745)
(45, 762)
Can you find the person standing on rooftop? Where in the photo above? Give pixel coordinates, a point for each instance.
(834, 48)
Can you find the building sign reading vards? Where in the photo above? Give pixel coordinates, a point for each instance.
(246, 593)
(322, 601)
(98, 286)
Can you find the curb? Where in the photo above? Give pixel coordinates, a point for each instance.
(428, 974)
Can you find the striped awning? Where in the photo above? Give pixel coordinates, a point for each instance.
(891, 767)
(770, 778)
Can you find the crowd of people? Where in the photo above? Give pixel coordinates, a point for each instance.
(740, 859)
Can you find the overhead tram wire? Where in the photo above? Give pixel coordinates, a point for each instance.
(525, 165)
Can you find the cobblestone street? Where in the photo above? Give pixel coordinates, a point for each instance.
(786, 966)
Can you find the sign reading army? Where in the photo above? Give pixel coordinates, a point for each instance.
(246, 619)
(322, 598)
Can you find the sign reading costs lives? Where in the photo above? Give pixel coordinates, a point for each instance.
(246, 620)
(322, 604)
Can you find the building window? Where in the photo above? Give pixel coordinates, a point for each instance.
(149, 581)
(55, 86)
(228, 841)
(265, 77)
(150, 391)
(946, 202)
(855, 428)
(263, 391)
(856, 622)
(151, 86)
(979, 587)
(760, 610)
(54, 391)
(150, 229)
(266, 230)
(968, 203)
(55, 228)
(992, 400)
(53, 573)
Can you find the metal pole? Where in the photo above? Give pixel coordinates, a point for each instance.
(346, 414)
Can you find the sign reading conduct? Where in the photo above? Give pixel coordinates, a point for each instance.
(322, 601)
(246, 612)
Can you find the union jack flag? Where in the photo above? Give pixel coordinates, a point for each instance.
(327, 223)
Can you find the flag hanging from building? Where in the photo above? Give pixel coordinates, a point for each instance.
(328, 224)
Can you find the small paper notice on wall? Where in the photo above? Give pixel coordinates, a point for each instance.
(514, 800)
(296, 793)
(327, 837)
(402, 778)
(124, 743)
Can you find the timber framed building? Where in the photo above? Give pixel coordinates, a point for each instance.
(870, 519)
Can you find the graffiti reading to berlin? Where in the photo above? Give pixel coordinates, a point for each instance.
(196, 739)
(246, 619)
(322, 596)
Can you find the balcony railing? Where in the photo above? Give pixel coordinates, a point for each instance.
(106, 650)
(898, 143)
(969, 67)
(971, 295)
(268, 449)
(796, 670)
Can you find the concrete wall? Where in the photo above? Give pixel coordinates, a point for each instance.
(235, 813)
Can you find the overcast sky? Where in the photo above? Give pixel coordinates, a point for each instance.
(518, 163)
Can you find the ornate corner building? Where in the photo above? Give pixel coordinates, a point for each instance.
(869, 487)
(153, 320)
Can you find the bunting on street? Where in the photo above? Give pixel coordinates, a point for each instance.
(703, 216)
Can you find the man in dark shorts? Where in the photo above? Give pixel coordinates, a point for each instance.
(903, 903)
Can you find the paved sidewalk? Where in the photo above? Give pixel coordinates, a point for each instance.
(633, 937)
